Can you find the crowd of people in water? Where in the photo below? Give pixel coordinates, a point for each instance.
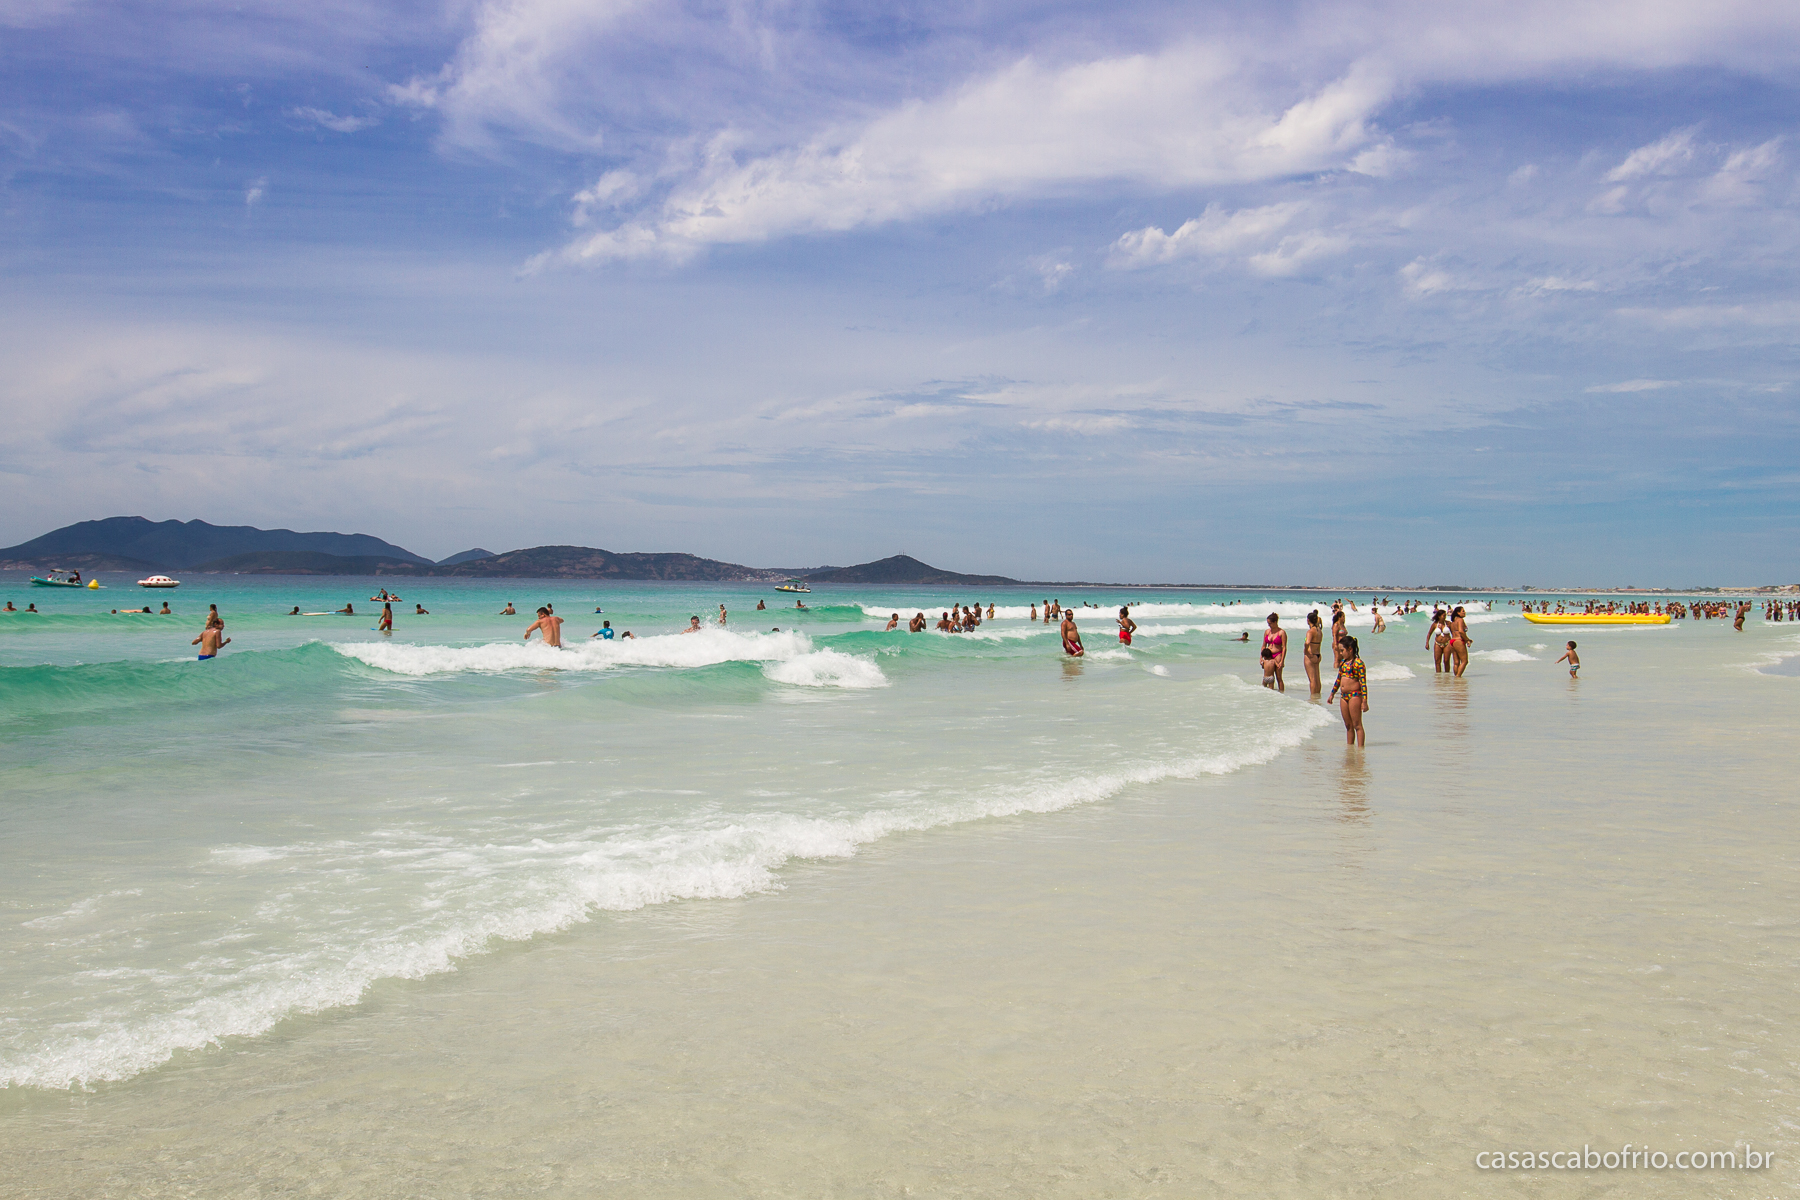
(1447, 637)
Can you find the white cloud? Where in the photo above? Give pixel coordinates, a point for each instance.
(1667, 156)
(1738, 181)
(1423, 278)
(1556, 283)
(254, 190)
(332, 121)
(1635, 385)
(517, 71)
(1214, 232)
(1176, 119)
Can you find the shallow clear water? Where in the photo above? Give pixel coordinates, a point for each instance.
(1133, 882)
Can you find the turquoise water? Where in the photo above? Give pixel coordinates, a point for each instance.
(203, 850)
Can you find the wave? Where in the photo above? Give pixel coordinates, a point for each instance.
(534, 885)
(827, 668)
(1388, 672)
(36, 692)
(709, 647)
(1507, 655)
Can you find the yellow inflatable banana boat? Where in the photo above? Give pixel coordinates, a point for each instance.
(1597, 618)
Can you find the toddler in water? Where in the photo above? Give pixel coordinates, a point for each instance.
(1268, 661)
(1572, 658)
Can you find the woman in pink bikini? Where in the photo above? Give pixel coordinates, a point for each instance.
(1275, 641)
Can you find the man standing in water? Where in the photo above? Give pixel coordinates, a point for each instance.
(212, 639)
(1275, 640)
(1071, 637)
(550, 625)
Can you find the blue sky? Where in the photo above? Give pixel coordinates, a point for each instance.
(1379, 292)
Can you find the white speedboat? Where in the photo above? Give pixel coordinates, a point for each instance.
(159, 581)
(793, 585)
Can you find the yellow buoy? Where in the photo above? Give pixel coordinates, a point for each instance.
(94, 583)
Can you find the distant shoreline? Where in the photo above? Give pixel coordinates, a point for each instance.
(1383, 590)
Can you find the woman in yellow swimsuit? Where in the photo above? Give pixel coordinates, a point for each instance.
(1351, 691)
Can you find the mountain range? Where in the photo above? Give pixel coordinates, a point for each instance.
(140, 545)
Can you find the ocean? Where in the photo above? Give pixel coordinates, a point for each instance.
(448, 857)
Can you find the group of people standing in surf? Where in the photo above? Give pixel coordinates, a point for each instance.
(1350, 688)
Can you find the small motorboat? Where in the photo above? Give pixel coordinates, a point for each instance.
(159, 581)
(793, 585)
(1597, 618)
(63, 579)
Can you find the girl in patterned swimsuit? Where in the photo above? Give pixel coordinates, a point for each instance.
(1352, 692)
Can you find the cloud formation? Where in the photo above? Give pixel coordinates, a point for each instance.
(1160, 121)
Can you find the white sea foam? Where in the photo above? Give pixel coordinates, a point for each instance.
(1388, 671)
(708, 647)
(79, 909)
(486, 889)
(1158, 669)
(1507, 655)
(827, 668)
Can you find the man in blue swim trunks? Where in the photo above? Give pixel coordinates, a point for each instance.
(212, 639)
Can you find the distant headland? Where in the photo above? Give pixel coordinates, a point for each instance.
(139, 544)
(144, 546)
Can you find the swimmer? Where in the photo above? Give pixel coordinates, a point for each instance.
(419, 610)
(549, 625)
(801, 604)
(721, 614)
(628, 634)
(1268, 664)
(386, 624)
(165, 610)
(349, 610)
(760, 606)
(693, 625)
(893, 623)
(210, 642)
(917, 624)
(1071, 637)
(1127, 627)
(509, 610)
(296, 611)
(31, 608)
(1573, 659)
(604, 633)
(10, 608)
